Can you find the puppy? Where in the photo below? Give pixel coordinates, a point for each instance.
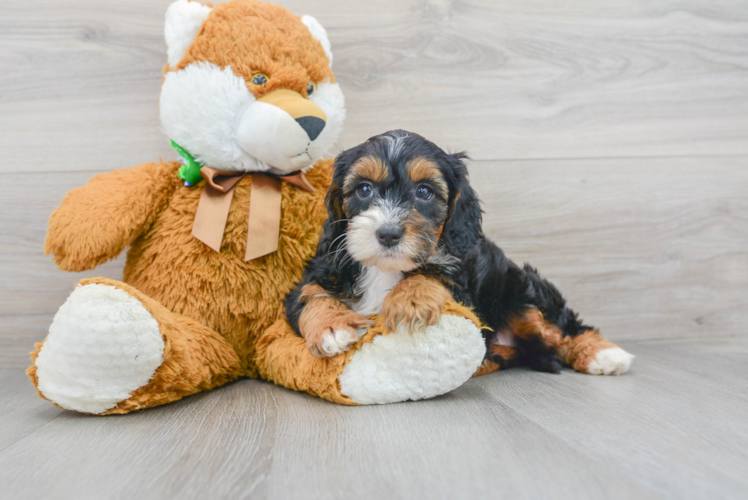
(402, 238)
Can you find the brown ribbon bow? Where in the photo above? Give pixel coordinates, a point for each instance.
(263, 229)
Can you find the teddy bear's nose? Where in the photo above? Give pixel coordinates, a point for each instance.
(308, 115)
(312, 126)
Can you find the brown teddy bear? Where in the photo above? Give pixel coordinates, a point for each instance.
(216, 241)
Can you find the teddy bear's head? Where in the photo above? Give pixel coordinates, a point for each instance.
(249, 86)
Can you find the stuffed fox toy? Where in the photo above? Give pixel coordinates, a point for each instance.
(216, 241)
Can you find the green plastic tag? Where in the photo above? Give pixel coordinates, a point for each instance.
(190, 171)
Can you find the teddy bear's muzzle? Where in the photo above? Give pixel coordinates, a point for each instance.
(282, 129)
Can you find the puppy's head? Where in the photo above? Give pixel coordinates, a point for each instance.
(402, 197)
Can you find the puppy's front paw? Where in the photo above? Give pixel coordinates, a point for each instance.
(337, 334)
(416, 303)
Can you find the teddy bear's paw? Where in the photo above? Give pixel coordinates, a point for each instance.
(611, 361)
(417, 365)
(102, 345)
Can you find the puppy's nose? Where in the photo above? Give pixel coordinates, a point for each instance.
(312, 126)
(390, 235)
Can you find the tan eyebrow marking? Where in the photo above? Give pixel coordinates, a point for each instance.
(368, 167)
(422, 169)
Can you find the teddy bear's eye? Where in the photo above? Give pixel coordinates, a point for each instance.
(259, 79)
(310, 89)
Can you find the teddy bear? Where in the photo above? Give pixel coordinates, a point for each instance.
(215, 241)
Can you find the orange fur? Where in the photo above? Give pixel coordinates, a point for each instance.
(215, 313)
(576, 352)
(217, 306)
(579, 351)
(486, 367)
(282, 357)
(96, 222)
(533, 323)
(270, 42)
(423, 169)
(419, 235)
(416, 302)
(235, 298)
(147, 208)
(323, 315)
(310, 291)
(369, 168)
(502, 351)
(195, 357)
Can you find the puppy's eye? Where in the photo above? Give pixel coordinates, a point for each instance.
(424, 193)
(310, 89)
(364, 190)
(259, 79)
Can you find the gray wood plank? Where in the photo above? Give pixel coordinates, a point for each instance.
(673, 427)
(79, 82)
(675, 423)
(21, 411)
(32, 288)
(254, 440)
(644, 248)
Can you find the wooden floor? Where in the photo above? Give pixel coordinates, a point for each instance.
(610, 149)
(674, 427)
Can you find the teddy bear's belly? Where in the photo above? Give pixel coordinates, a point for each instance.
(237, 299)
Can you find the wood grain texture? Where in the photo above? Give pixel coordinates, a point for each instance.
(673, 427)
(79, 83)
(643, 248)
(612, 153)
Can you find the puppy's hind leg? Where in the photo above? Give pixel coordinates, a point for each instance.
(584, 350)
(593, 354)
(498, 357)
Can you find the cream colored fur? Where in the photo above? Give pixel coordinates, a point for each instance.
(406, 366)
(182, 23)
(318, 32)
(102, 345)
(224, 126)
(612, 361)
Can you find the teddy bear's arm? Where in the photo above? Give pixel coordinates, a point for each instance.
(95, 222)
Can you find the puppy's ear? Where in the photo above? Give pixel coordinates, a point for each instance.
(334, 199)
(336, 223)
(464, 219)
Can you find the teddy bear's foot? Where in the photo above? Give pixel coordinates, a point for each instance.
(112, 350)
(102, 346)
(381, 368)
(406, 366)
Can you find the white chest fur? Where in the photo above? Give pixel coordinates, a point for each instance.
(373, 286)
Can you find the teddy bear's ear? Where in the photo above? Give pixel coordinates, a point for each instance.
(183, 22)
(318, 32)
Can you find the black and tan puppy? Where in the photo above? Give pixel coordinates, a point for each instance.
(403, 237)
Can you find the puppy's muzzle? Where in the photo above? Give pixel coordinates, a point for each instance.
(389, 235)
